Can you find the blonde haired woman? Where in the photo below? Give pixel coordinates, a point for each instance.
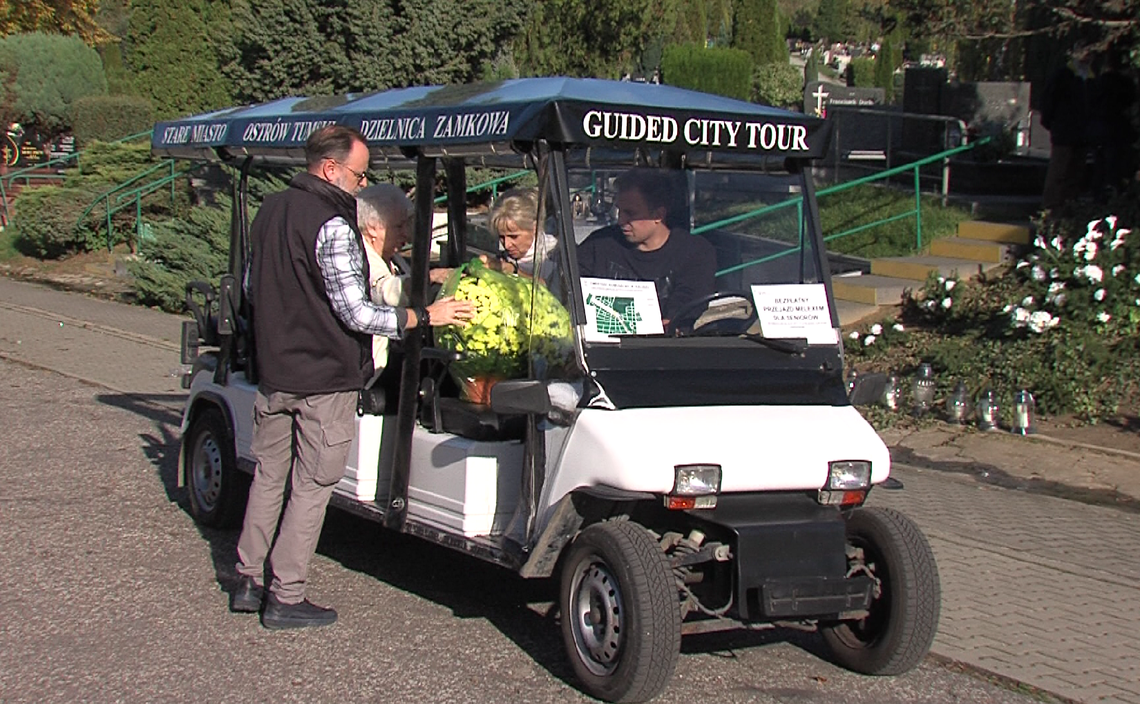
(514, 218)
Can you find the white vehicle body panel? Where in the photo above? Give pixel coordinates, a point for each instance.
(759, 448)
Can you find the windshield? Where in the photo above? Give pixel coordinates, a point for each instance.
(675, 253)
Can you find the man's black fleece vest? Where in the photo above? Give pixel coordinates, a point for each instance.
(302, 347)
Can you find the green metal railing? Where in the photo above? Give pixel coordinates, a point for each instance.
(915, 212)
(28, 173)
(493, 184)
(124, 196)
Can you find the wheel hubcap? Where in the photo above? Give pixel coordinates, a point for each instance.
(206, 472)
(597, 617)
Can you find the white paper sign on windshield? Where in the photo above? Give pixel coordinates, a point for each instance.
(616, 307)
(795, 310)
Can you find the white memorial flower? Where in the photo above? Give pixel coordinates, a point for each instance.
(1038, 274)
(1007, 309)
(1090, 253)
(1103, 317)
(876, 329)
(1093, 225)
(854, 335)
(1039, 242)
(1099, 294)
(868, 341)
(1111, 220)
(1060, 298)
(1057, 243)
(1027, 301)
(947, 302)
(950, 284)
(1094, 273)
(1020, 317)
(1022, 264)
(898, 327)
(1040, 321)
(1117, 269)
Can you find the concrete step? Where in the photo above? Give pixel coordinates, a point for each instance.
(993, 232)
(871, 289)
(974, 250)
(918, 267)
(851, 313)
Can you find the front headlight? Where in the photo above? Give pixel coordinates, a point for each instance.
(696, 479)
(848, 475)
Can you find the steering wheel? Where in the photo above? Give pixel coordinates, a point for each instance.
(685, 320)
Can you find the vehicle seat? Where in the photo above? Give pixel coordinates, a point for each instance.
(442, 411)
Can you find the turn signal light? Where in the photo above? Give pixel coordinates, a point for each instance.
(842, 498)
(684, 503)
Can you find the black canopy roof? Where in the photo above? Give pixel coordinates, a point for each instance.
(583, 111)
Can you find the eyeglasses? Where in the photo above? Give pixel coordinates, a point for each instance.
(360, 175)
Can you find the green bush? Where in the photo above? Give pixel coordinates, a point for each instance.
(780, 85)
(110, 117)
(45, 218)
(861, 73)
(1061, 323)
(865, 204)
(192, 248)
(52, 72)
(719, 71)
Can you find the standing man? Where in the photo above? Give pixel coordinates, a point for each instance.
(652, 242)
(312, 322)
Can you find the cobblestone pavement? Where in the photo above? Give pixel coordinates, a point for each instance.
(1037, 589)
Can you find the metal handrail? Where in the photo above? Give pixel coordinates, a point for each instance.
(493, 182)
(26, 173)
(124, 199)
(916, 211)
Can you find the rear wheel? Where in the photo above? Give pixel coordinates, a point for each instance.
(217, 493)
(621, 617)
(899, 629)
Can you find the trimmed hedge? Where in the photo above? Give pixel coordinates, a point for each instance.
(45, 220)
(110, 117)
(779, 85)
(725, 72)
(861, 73)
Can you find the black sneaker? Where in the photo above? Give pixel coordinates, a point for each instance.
(247, 596)
(303, 615)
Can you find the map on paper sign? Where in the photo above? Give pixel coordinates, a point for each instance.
(616, 308)
(795, 310)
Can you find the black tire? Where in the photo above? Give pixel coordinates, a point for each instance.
(900, 628)
(217, 492)
(616, 570)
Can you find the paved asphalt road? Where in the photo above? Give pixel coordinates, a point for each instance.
(109, 592)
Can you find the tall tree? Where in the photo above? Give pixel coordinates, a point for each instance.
(172, 59)
(756, 30)
(833, 20)
(582, 38)
(71, 17)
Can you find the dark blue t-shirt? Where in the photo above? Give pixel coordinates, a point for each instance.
(683, 269)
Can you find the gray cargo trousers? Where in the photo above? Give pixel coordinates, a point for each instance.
(306, 438)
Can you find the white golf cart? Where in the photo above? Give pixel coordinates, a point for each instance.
(682, 473)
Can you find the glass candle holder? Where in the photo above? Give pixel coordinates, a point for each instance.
(988, 411)
(1024, 410)
(923, 389)
(958, 404)
(891, 392)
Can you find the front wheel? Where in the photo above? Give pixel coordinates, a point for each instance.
(621, 616)
(900, 626)
(217, 498)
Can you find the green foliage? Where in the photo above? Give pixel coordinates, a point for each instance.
(52, 72)
(756, 30)
(172, 52)
(7, 85)
(44, 220)
(294, 47)
(861, 73)
(865, 204)
(47, 218)
(885, 64)
(119, 80)
(811, 66)
(1061, 323)
(719, 71)
(579, 38)
(192, 248)
(781, 85)
(833, 20)
(109, 117)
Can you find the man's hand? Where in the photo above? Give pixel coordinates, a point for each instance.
(448, 311)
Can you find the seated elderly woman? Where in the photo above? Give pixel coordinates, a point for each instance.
(514, 218)
(384, 216)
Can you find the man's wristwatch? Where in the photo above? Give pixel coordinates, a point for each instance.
(423, 317)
